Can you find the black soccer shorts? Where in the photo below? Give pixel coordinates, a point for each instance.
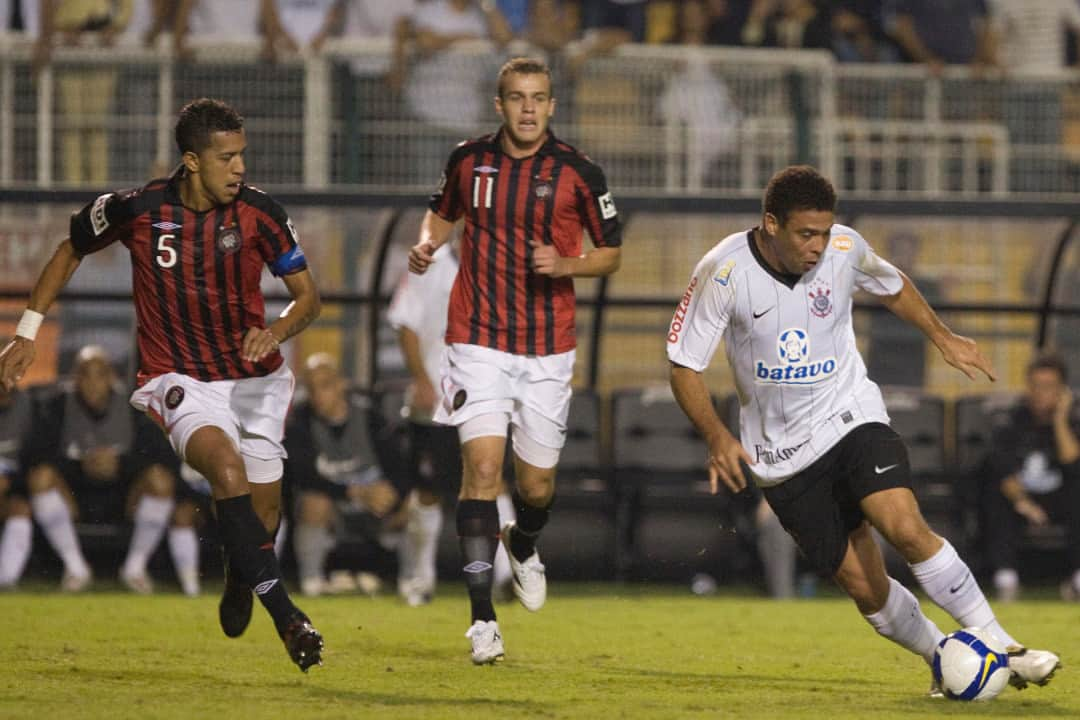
(819, 507)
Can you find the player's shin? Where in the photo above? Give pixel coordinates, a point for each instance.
(250, 552)
(903, 622)
(948, 581)
(478, 533)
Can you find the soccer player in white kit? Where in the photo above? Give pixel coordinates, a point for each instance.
(813, 426)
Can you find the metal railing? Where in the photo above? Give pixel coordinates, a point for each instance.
(662, 120)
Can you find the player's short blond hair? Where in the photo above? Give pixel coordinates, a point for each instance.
(521, 66)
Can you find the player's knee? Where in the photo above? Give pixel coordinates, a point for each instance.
(538, 489)
(43, 478)
(315, 509)
(185, 515)
(911, 537)
(483, 472)
(158, 481)
(17, 507)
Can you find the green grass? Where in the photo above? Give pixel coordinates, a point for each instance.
(593, 652)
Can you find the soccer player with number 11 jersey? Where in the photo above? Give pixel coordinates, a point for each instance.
(526, 198)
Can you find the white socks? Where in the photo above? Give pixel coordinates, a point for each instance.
(152, 516)
(312, 544)
(947, 580)
(418, 552)
(903, 622)
(15, 545)
(53, 515)
(184, 548)
(502, 561)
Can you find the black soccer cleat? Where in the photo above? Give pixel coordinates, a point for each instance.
(303, 642)
(234, 610)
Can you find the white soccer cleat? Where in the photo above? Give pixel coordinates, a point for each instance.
(935, 690)
(487, 643)
(529, 581)
(1031, 666)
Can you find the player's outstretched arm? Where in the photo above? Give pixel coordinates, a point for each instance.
(725, 452)
(17, 356)
(959, 351)
(297, 315)
(434, 231)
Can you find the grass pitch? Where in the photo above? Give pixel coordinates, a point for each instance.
(592, 652)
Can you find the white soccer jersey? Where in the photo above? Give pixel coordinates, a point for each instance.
(420, 304)
(801, 382)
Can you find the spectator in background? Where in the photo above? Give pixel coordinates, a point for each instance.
(16, 414)
(942, 32)
(698, 99)
(1033, 475)
(788, 24)
(332, 466)
(552, 24)
(223, 22)
(447, 90)
(859, 32)
(608, 24)
(1032, 35)
(85, 93)
(302, 25)
(516, 12)
(725, 19)
(365, 99)
(93, 457)
(434, 450)
(1031, 38)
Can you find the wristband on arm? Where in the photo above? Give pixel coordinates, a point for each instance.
(29, 324)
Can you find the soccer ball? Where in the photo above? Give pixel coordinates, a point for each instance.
(971, 664)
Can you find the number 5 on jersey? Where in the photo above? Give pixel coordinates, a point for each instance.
(166, 256)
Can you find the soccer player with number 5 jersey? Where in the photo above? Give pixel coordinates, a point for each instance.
(813, 428)
(526, 198)
(211, 374)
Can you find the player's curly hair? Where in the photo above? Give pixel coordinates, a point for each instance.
(201, 118)
(521, 66)
(799, 187)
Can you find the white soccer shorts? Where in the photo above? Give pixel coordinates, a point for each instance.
(251, 411)
(532, 393)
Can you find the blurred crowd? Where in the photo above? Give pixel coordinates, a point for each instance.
(977, 33)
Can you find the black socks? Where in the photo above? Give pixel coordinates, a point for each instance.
(478, 533)
(530, 521)
(250, 552)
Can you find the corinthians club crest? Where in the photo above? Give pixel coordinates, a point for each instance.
(820, 302)
(229, 239)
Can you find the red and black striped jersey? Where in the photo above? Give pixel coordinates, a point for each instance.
(195, 274)
(550, 197)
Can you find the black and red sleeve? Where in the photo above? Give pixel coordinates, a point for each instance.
(278, 242)
(596, 208)
(103, 221)
(446, 200)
